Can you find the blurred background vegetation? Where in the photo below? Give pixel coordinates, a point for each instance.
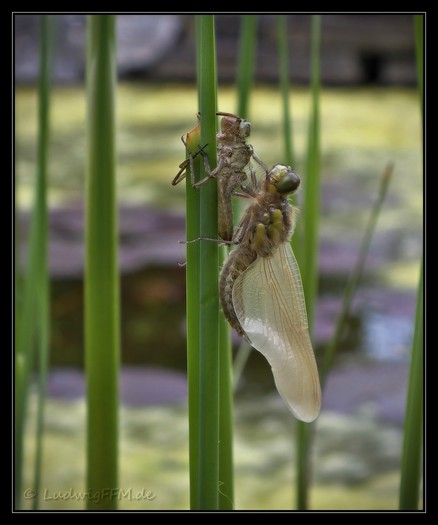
(369, 117)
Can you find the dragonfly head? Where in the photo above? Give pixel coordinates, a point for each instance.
(283, 180)
(236, 126)
(244, 129)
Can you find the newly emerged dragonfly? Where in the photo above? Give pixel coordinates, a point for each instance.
(262, 295)
(233, 157)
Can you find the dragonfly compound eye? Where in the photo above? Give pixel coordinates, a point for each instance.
(287, 180)
(245, 129)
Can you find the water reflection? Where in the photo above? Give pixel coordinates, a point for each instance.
(386, 336)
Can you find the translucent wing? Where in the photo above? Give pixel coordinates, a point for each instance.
(269, 302)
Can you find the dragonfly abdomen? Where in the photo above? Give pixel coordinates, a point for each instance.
(237, 262)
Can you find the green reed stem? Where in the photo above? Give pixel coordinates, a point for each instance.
(245, 65)
(413, 426)
(310, 215)
(245, 77)
(193, 314)
(308, 256)
(46, 46)
(289, 156)
(21, 371)
(285, 88)
(102, 318)
(226, 469)
(208, 421)
(34, 317)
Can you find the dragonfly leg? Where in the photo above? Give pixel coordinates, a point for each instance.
(210, 174)
(253, 175)
(189, 161)
(259, 161)
(220, 242)
(247, 192)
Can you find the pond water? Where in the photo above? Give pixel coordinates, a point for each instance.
(356, 455)
(358, 439)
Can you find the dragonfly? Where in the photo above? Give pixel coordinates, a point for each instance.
(262, 297)
(234, 155)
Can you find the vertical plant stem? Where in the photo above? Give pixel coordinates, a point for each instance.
(208, 467)
(47, 28)
(193, 313)
(310, 219)
(296, 241)
(102, 346)
(43, 364)
(285, 88)
(413, 425)
(245, 75)
(226, 471)
(34, 318)
(21, 370)
(308, 256)
(245, 65)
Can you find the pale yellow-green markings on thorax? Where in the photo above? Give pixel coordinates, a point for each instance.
(275, 227)
(259, 237)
